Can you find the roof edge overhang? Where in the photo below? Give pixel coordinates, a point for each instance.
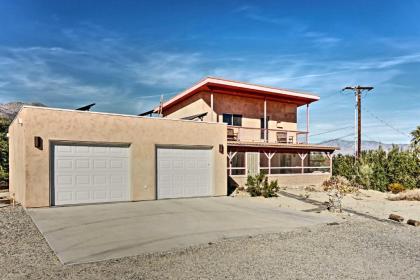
(219, 85)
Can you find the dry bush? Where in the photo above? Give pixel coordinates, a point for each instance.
(407, 195)
(396, 188)
(337, 187)
(341, 184)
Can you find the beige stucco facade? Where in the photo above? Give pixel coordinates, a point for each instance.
(281, 115)
(30, 170)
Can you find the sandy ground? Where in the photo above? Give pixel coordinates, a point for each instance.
(366, 202)
(356, 248)
(363, 245)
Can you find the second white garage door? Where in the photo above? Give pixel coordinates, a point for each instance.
(183, 172)
(90, 174)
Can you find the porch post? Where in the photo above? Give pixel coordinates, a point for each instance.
(230, 156)
(269, 157)
(307, 123)
(265, 119)
(329, 155)
(211, 105)
(302, 158)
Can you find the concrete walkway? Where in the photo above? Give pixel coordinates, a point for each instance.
(89, 233)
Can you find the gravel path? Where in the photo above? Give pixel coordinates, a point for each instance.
(355, 249)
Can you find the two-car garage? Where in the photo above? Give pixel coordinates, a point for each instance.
(70, 157)
(89, 173)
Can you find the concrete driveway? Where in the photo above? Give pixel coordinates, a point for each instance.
(80, 234)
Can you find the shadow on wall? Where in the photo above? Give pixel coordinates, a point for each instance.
(231, 185)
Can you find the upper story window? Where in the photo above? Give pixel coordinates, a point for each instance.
(232, 119)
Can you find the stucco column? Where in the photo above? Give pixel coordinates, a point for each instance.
(307, 123)
(212, 106)
(265, 119)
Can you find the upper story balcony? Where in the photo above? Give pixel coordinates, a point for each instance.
(272, 136)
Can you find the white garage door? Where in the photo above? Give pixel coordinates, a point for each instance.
(184, 172)
(90, 174)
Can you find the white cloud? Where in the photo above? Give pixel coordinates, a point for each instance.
(101, 67)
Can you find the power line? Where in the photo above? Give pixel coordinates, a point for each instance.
(338, 138)
(387, 124)
(329, 131)
(335, 94)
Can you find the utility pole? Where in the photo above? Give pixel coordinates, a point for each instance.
(358, 112)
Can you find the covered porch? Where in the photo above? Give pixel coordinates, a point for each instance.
(289, 164)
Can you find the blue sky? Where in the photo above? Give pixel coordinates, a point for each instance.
(124, 54)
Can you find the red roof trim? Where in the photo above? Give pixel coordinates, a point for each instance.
(208, 82)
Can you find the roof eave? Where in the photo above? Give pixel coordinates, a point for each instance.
(209, 82)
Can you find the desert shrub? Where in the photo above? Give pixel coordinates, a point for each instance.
(376, 169)
(4, 150)
(407, 195)
(270, 189)
(258, 185)
(341, 184)
(337, 187)
(253, 184)
(364, 173)
(396, 188)
(402, 167)
(343, 165)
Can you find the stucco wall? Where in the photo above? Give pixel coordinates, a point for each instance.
(282, 115)
(289, 180)
(17, 167)
(143, 134)
(197, 104)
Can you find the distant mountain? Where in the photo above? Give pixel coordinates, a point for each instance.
(347, 147)
(9, 110)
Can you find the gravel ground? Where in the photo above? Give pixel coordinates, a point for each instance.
(355, 249)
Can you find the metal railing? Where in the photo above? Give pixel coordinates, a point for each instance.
(251, 134)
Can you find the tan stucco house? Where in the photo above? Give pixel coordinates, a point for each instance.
(213, 134)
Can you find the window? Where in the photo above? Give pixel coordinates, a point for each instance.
(317, 162)
(232, 119)
(263, 127)
(291, 163)
(264, 163)
(236, 163)
(285, 163)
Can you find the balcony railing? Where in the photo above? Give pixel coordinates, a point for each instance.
(251, 134)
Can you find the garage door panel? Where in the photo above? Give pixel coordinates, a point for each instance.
(82, 195)
(184, 172)
(82, 179)
(64, 197)
(82, 163)
(89, 174)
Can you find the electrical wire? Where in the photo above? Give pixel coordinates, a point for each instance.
(338, 138)
(386, 123)
(329, 131)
